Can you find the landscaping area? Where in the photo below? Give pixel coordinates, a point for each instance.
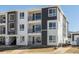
(28, 51)
(73, 50)
(51, 50)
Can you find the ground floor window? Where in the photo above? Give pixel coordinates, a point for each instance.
(52, 38)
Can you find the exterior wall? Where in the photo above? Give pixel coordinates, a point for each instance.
(45, 21)
(22, 33)
(45, 31)
(33, 35)
(9, 21)
(60, 26)
(52, 32)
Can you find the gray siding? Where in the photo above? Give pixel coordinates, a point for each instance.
(15, 23)
(45, 18)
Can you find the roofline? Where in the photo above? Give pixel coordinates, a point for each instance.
(38, 9)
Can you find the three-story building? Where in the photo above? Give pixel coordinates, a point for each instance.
(45, 26)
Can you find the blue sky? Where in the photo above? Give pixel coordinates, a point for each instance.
(71, 12)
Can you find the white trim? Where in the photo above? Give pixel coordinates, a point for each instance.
(50, 15)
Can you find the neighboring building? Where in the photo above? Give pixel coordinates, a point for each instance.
(75, 38)
(45, 26)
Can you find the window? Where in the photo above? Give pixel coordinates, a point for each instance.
(52, 38)
(38, 16)
(2, 18)
(2, 30)
(11, 25)
(22, 39)
(22, 15)
(22, 27)
(12, 17)
(37, 28)
(52, 25)
(52, 12)
(33, 16)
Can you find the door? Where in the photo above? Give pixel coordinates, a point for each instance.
(2, 40)
(12, 41)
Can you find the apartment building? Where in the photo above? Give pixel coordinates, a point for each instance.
(74, 38)
(45, 26)
(13, 28)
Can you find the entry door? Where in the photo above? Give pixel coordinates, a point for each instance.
(2, 40)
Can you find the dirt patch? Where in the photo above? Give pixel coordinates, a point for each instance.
(27, 51)
(73, 50)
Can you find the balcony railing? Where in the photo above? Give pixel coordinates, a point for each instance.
(2, 21)
(33, 31)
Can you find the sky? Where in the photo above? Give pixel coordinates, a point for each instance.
(70, 11)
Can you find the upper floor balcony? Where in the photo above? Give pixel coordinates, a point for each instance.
(34, 16)
(2, 30)
(2, 19)
(34, 28)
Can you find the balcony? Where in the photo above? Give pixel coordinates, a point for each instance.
(2, 19)
(34, 17)
(32, 31)
(2, 30)
(34, 28)
(12, 32)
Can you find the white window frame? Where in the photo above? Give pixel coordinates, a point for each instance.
(51, 15)
(52, 26)
(21, 27)
(54, 41)
(9, 17)
(10, 24)
(20, 15)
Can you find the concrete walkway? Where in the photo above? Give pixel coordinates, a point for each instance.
(61, 50)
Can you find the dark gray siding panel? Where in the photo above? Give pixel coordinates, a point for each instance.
(44, 37)
(45, 18)
(44, 26)
(15, 22)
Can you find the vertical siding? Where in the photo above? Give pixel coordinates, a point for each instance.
(45, 18)
(15, 21)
